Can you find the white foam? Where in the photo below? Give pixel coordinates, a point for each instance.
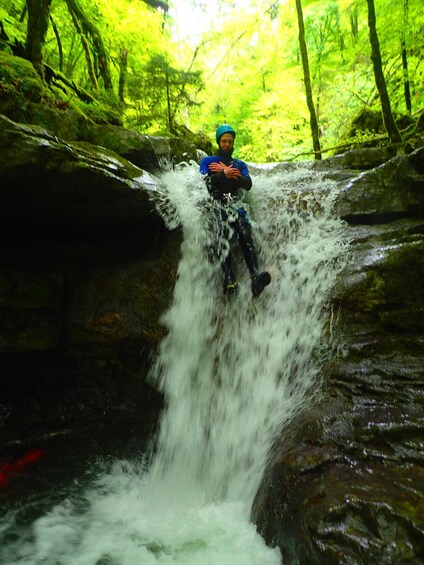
(234, 372)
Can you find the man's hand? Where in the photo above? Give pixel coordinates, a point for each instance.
(229, 171)
(232, 172)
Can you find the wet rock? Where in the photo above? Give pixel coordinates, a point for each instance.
(352, 490)
(358, 159)
(390, 191)
(346, 483)
(88, 269)
(146, 151)
(47, 182)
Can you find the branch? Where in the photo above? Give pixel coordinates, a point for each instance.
(343, 146)
(51, 75)
(381, 137)
(182, 93)
(225, 55)
(59, 42)
(157, 4)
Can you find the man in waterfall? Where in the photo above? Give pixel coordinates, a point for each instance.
(226, 178)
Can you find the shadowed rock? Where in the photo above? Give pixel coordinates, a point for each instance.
(346, 483)
(87, 272)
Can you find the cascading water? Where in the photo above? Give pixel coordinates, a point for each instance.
(234, 372)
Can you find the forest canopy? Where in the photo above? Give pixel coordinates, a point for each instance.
(169, 67)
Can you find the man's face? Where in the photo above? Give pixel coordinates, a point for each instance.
(226, 142)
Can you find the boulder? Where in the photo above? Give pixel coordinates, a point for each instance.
(87, 271)
(146, 151)
(345, 484)
(392, 190)
(49, 183)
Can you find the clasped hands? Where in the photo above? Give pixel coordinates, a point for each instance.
(229, 171)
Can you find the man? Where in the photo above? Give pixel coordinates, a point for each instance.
(226, 178)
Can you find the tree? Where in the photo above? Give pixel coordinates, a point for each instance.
(324, 37)
(406, 86)
(352, 12)
(253, 48)
(86, 28)
(123, 68)
(389, 122)
(307, 80)
(38, 23)
(164, 92)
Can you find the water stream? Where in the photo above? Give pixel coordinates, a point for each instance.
(234, 372)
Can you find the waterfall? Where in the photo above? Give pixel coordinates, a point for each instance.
(234, 372)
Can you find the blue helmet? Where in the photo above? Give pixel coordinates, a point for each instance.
(225, 128)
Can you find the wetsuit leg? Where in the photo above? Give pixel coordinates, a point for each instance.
(244, 233)
(224, 248)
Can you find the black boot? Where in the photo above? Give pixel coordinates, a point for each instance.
(230, 287)
(230, 283)
(259, 282)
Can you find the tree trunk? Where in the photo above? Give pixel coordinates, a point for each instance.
(59, 43)
(307, 79)
(123, 65)
(389, 122)
(168, 104)
(90, 29)
(406, 85)
(86, 47)
(38, 23)
(157, 4)
(353, 19)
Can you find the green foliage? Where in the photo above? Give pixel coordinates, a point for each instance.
(162, 95)
(10, 17)
(242, 67)
(266, 101)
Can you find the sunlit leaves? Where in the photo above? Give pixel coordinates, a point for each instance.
(246, 54)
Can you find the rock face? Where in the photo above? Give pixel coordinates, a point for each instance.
(146, 151)
(82, 255)
(349, 485)
(88, 268)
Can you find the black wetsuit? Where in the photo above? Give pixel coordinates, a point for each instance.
(228, 214)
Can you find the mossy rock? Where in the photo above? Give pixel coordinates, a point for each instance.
(420, 123)
(366, 120)
(371, 121)
(368, 130)
(25, 98)
(198, 139)
(67, 123)
(19, 76)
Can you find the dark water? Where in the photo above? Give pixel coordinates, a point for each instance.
(66, 463)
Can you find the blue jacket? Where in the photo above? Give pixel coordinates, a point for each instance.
(218, 184)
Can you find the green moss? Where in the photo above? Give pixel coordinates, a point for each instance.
(374, 295)
(18, 75)
(406, 264)
(100, 113)
(24, 97)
